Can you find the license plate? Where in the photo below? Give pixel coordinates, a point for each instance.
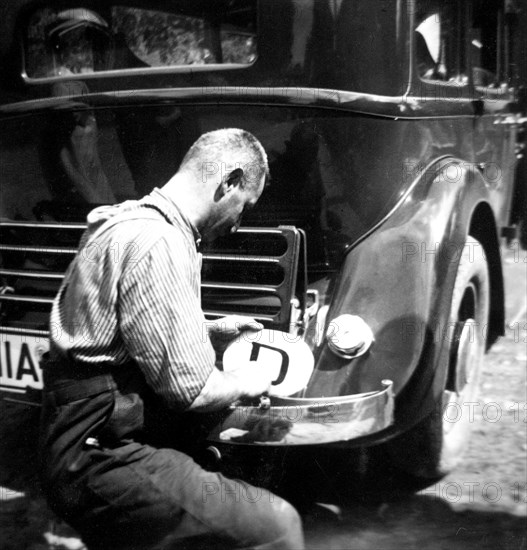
(19, 361)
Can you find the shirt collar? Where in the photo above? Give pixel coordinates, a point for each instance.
(172, 211)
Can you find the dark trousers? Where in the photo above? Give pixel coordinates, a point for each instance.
(121, 493)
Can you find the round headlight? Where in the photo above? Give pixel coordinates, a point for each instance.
(349, 336)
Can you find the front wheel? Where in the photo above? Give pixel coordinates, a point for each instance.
(433, 447)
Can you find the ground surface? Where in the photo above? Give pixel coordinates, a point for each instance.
(482, 505)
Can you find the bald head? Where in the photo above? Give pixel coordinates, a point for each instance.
(221, 151)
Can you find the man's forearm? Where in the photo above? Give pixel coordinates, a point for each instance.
(223, 388)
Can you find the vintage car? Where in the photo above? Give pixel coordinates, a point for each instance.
(393, 131)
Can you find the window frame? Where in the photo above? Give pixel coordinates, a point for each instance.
(503, 84)
(130, 71)
(428, 85)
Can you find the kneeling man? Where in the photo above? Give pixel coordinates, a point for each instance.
(128, 355)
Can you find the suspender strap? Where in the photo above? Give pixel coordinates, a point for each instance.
(154, 207)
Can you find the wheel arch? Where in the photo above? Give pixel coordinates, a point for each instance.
(483, 228)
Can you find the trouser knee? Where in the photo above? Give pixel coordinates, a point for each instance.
(286, 531)
(288, 516)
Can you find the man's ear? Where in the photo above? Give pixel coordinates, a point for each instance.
(231, 180)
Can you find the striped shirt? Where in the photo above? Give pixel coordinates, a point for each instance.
(133, 292)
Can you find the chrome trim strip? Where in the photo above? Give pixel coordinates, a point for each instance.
(405, 107)
(141, 71)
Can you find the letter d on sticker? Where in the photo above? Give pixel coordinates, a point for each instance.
(283, 367)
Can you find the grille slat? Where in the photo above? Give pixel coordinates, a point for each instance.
(216, 314)
(253, 272)
(241, 259)
(37, 249)
(31, 274)
(24, 331)
(242, 288)
(44, 225)
(25, 299)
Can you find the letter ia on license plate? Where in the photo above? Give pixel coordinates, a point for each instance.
(19, 361)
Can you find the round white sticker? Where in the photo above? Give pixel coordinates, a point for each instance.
(287, 357)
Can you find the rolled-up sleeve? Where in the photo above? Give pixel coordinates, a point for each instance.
(162, 324)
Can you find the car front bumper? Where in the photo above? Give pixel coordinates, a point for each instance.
(308, 421)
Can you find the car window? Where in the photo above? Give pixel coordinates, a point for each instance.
(439, 41)
(62, 42)
(489, 44)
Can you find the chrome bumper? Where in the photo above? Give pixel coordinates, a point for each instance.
(308, 421)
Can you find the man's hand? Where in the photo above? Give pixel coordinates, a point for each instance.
(224, 388)
(253, 379)
(227, 329)
(248, 380)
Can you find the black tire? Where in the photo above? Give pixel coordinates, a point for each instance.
(433, 447)
(522, 234)
(519, 202)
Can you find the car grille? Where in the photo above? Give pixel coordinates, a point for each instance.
(253, 272)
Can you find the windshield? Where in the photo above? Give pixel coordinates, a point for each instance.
(61, 42)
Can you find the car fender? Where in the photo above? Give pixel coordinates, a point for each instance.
(399, 278)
